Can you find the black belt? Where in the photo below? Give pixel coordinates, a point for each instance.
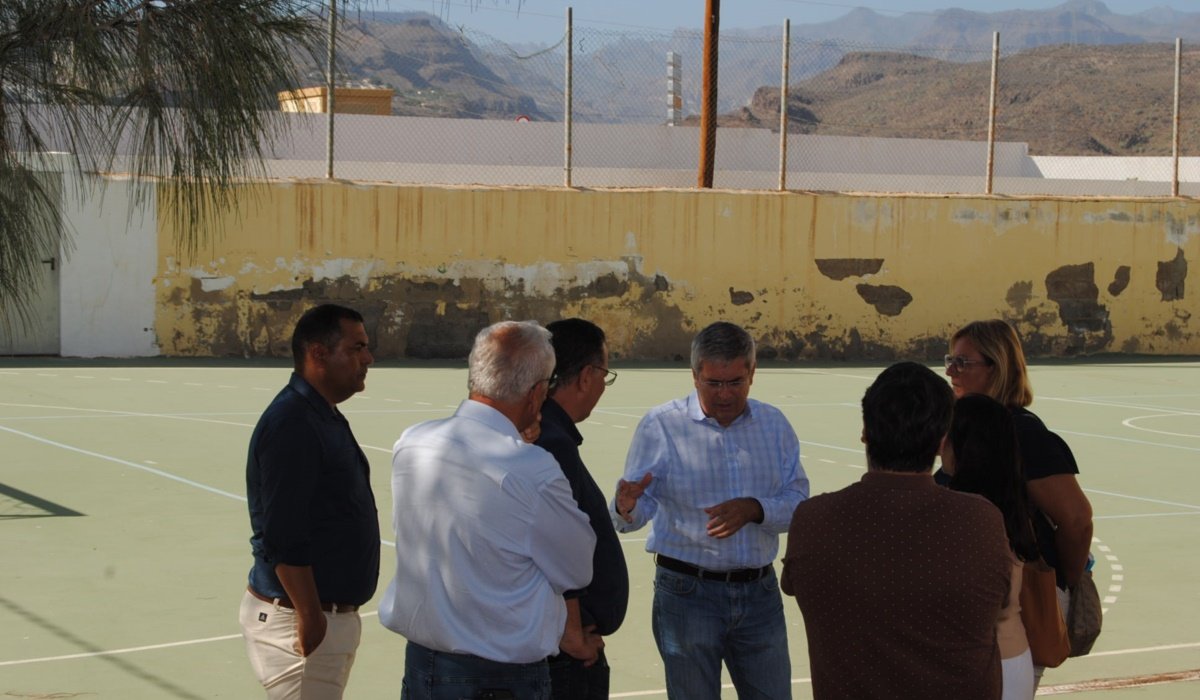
(285, 603)
(734, 576)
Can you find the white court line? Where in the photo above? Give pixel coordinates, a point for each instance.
(1131, 440)
(855, 450)
(1141, 650)
(127, 463)
(1128, 423)
(132, 650)
(118, 415)
(611, 412)
(1147, 500)
(1143, 515)
(133, 414)
(1114, 404)
(1113, 397)
(156, 472)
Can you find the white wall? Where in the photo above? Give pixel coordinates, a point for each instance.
(419, 150)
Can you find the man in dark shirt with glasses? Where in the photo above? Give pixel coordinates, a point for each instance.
(581, 374)
(312, 512)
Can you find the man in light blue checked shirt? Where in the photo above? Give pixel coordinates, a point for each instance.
(718, 475)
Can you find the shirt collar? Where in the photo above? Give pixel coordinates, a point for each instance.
(489, 416)
(555, 415)
(301, 386)
(696, 413)
(902, 482)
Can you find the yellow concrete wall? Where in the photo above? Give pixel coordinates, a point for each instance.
(811, 275)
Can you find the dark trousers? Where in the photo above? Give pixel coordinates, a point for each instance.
(439, 675)
(571, 680)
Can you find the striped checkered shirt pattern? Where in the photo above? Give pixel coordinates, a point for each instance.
(696, 463)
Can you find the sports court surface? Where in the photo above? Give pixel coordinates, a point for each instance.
(123, 526)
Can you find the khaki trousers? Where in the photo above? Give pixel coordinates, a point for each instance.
(270, 633)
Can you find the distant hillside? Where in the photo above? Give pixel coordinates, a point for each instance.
(1062, 100)
(917, 74)
(432, 68)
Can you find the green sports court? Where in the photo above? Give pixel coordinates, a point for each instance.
(123, 524)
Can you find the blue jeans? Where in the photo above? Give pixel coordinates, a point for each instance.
(438, 675)
(698, 624)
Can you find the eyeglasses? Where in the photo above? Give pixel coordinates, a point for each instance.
(717, 384)
(961, 363)
(610, 377)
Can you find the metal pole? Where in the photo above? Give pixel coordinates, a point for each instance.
(708, 99)
(1175, 134)
(783, 112)
(330, 82)
(991, 137)
(569, 87)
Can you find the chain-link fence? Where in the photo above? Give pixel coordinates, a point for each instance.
(469, 109)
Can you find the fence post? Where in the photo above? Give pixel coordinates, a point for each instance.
(330, 83)
(1175, 133)
(567, 94)
(991, 152)
(783, 111)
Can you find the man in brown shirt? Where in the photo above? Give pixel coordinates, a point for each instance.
(900, 581)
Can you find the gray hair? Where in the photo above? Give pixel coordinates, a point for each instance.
(722, 342)
(508, 359)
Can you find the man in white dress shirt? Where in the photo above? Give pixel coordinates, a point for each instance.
(488, 536)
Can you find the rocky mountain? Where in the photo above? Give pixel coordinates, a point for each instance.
(434, 70)
(916, 74)
(1061, 100)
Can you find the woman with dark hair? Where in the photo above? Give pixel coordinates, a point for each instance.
(981, 455)
(986, 358)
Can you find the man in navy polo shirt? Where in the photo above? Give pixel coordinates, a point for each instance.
(312, 512)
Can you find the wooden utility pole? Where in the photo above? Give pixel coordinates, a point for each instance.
(989, 181)
(708, 100)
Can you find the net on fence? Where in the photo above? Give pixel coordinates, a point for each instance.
(469, 108)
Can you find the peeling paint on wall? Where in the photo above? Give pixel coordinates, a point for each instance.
(1019, 295)
(1073, 288)
(838, 269)
(430, 266)
(1171, 276)
(1120, 281)
(1181, 228)
(887, 299)
(738, 298)
(1108, 215)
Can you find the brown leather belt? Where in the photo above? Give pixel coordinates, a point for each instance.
(735, 576)
(285, 603)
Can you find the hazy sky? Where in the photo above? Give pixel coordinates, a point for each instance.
(543, 20)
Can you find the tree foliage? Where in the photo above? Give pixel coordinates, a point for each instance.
(186, 88)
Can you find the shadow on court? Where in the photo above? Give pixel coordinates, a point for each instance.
(167, 688)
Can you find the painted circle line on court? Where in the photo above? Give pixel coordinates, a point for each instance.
(1129, 423)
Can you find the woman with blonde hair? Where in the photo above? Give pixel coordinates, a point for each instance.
(986, 358)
